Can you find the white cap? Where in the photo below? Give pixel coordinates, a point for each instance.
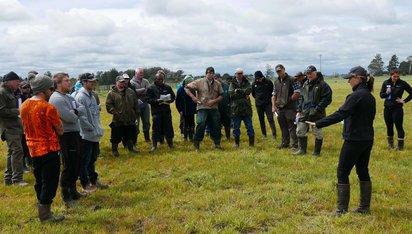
(238, 70)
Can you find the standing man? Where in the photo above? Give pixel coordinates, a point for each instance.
(285, 93)
(241, 107)
(159, 96)
(42, 126)
(70, 140)
(316, 96)
(141, 85)
(262, 89)
(121, 102)
(22, 94)
(91, 131)
(209, 94)
(11, 129)
(224, 107)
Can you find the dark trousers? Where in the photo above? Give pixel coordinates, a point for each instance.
(261, 111)
(211, 118)
(70, 153)
(394, 116)
(125, 132)
(188, 123)
(26, 153)
(162, 126)
(46, 172)
(354, 153)
(88, 172)
(287, 125)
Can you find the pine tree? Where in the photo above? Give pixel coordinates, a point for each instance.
(393, 63)
(376, 66)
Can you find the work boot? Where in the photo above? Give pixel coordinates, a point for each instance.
(99, 185)
(67, 198)
(131, 147)
(303, 144)
(390, 142)
(146, 136)
(185, 136)
(115, 150)
(237, 141)
(365, 197)
(251, 141)
(318, 147)
(170, 142)
(343, 199)
(196, 143)
(400, 144)
(45, 215)
(154, 146)
(75, 195)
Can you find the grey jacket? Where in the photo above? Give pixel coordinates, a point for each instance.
(65, 103)
(9, 112)
(90, 127)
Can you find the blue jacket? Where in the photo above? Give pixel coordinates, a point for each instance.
(90, 127)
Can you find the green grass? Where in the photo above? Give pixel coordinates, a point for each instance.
(243, 190)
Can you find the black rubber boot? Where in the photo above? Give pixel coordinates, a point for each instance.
(196, 144)
(401, 143)
(318, 147)
(251, 141)
(303, 144)
(343, 199)
(365, 197)
(227, 133)
(390, 142)
(115, 150)
(237, 142)
(170, 142)
(45, 215)
(131, 147)
(146, 136)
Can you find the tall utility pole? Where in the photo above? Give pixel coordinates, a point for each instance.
(320, 62)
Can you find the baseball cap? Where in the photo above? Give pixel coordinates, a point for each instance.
(356, 71)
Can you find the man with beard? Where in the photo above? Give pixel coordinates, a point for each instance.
(11, 129)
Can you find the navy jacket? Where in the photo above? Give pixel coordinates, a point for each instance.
(262, 92)
(184, 103)
(358, 113)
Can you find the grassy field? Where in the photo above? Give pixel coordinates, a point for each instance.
(242, 190)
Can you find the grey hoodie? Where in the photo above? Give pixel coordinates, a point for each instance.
(64, 103)
(90, 127)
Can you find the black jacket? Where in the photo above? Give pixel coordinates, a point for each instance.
(397, 91)
(262, 92)
(358, 113)
(153, 94)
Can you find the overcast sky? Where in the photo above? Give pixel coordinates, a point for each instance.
(79, 36)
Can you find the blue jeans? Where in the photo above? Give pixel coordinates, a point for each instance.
(210, 117)
(87, 172)
(248, 123)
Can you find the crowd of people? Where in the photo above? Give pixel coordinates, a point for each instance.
(47, 123)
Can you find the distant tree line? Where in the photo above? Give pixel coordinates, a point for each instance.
(377, 68)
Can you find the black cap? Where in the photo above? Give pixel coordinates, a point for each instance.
(217, 75)
(209, 69)
(310, 69)
(258, 74)
(88, 77)
(356, 71)
(11, 76)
